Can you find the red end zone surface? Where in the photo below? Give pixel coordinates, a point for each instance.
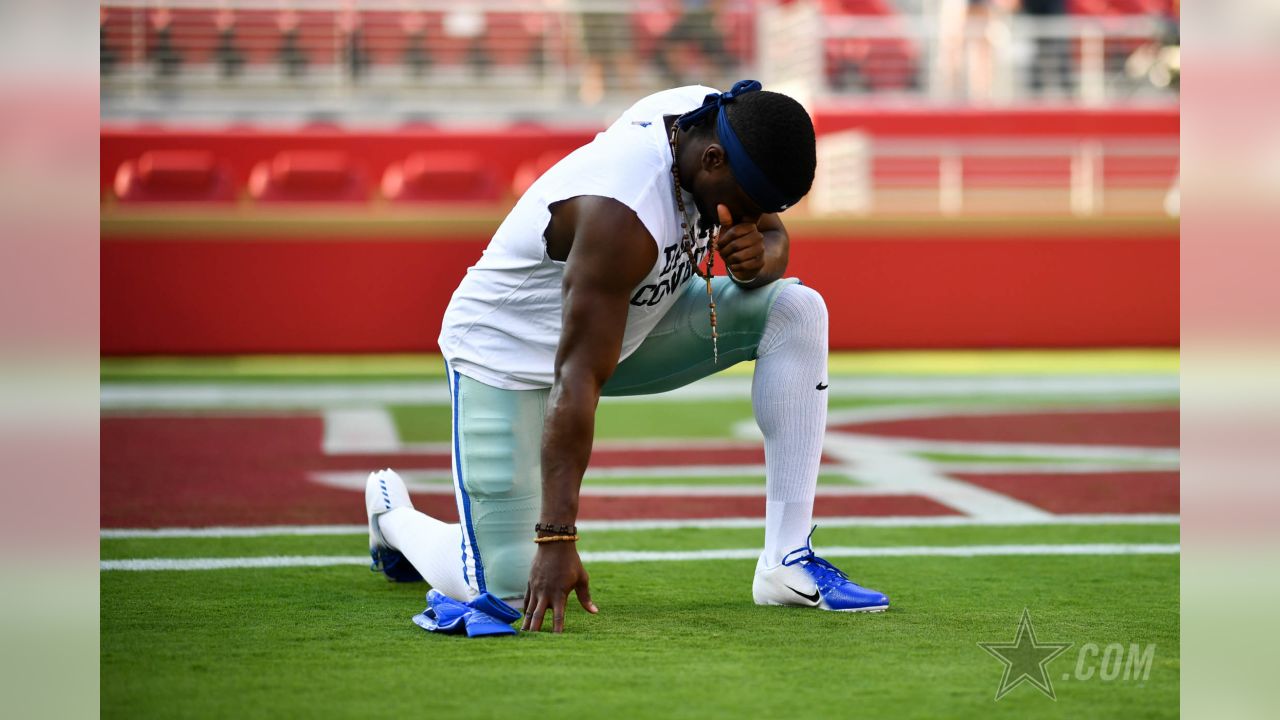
(1148, 428)
(185, 471)
(246, 470)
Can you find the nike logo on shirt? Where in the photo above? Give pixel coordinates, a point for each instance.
(823, 386)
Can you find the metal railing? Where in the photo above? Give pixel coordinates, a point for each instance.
(407, 58)
(989, 59)
(859, 175)
(464, 59)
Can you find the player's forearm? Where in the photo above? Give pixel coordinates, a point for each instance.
(566, 446)
(776, 254)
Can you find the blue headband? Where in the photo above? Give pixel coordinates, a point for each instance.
(749, 176)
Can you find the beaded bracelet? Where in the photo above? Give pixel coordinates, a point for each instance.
(556, 529)
(556, 538)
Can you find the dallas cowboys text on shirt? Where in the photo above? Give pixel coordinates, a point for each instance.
(676, 269)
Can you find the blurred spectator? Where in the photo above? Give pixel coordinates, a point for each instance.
(227, 53)
(108, 56)
(166, 57)
(414, 25)
(354, 54)
(883, 60)
(972, 33)
(291, 55)
(695, 27)
(468, 24)
(1053, 59)
(606, 43)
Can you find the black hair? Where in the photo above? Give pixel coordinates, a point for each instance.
(778, 134)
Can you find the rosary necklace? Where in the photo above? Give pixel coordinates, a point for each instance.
(687, 242)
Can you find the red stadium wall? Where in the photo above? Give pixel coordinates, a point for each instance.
(346, 294)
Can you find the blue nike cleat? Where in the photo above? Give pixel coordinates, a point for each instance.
(807, 580)
(384, 492)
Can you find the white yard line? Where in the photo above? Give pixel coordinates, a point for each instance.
(283, 561)
(891, 464)
(886, 469)
(359, 430)
(640, 525)
(1100, 453)
(883, 413)
(192, 395)
(439, 482)
(1053, 468)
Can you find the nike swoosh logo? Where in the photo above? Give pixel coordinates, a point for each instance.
(811, 598)
(823, 386)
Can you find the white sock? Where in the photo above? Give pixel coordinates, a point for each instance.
(434, 548)
(791, 410)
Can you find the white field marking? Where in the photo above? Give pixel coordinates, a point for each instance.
(233, 563)
(438, 482)
(191, 395)
(892, 521)
(428, 479)
(1052, 468)
(1100, 453)
(444, 448)
(359, 430)
(1161, 455)
(888, 462)
(880, 413)
(887, 469)
(630, 556)
(282, 561)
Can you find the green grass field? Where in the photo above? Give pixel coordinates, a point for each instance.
(674, 638)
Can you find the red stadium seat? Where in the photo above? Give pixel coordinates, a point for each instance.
(174, 176)
(512, 38)
(309, 176)
(444, 46)
(440, 177)
(882, 63)
(124, 31)
(193, 32)
(386, 35)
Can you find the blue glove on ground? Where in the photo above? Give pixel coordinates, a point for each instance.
(482, 617)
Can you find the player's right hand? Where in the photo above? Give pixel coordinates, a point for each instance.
(741, 246)
(556, 570)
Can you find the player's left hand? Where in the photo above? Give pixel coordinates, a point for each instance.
(741, 246)
(556, 570)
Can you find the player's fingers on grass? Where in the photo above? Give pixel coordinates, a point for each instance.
(557, 613)
(533, 620)
(583, 590)
(539, 614)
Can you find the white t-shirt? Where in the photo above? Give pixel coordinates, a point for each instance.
(503, 324)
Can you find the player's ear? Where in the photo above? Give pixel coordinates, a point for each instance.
(713, 158)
